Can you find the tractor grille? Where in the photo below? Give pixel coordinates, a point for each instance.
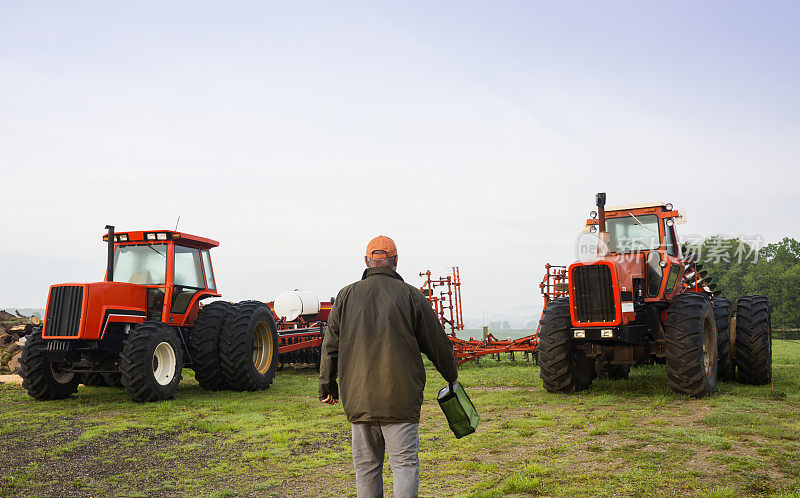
(64, 311)
(593, 294)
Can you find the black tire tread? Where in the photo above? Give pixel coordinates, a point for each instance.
(562, 367)
(726, 369)
(37, 378)
(204, 345)
(235, 348)
(753, 340)
(684, 345)
(136, 363)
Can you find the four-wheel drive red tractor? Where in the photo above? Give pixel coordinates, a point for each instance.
(643, 301)
(140, 327)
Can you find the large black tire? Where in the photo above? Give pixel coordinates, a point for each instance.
(605, 370)
(40, 377)
(113, 379)
(93, 379)
(754, 340)
(151, 362)
(204, 345)
(722, 318)
(691, 352)
(248, 346)
(562, 367)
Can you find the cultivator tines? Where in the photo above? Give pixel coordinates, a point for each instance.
(554, 284)
(695, 279)
(472, 349)
(444, 295)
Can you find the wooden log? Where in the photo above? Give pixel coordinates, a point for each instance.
(13, 362)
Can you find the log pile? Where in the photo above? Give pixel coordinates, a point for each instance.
(13, 329)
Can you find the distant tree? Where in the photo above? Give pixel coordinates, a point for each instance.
(739, 269)
(506, 325)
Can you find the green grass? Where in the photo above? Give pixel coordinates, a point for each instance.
(631, 437)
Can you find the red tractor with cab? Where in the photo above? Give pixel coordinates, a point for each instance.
(641, 300)
(140, 327)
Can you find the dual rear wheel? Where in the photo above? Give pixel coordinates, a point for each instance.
(235, 346)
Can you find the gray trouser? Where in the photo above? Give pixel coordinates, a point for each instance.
(401, 441)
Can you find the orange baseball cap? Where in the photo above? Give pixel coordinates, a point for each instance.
(381, 247)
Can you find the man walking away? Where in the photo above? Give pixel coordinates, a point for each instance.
(376, 331)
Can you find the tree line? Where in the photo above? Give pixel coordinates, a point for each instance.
(744, 267)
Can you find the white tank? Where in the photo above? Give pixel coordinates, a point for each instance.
(295, 303)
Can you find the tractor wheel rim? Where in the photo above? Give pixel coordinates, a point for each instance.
(262, 347)
(164, 363)
(61, 377)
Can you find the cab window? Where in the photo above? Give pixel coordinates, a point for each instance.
(188, 277)
(672, 279)
(669, 240)
(210, 284)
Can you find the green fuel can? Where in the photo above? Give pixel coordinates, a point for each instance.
(459, 410)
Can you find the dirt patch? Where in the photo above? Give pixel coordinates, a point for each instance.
(139, 460)
(305, 446)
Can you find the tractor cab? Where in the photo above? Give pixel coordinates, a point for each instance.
(174, 267)
(158, 275)
(641, 241)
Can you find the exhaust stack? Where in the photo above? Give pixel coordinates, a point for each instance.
(602, 244)
(110, 267)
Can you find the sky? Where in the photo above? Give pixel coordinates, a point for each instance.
(473, 133)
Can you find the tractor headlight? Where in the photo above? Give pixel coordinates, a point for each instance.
(592, 229)
(123, 238)
(607, 333)
(662, 264)
(580, 334)
(151, 236)
(668, 206)
(670, 222)
(593, 214)
(161, 236)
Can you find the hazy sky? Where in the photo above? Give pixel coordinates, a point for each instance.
(473, 133)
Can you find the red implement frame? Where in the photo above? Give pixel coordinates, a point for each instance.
(553, 286)
(446, 305)
(299, 340)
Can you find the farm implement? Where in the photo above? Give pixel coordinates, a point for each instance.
(301, 319)
(444, 295)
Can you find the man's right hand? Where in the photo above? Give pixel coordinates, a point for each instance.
(330, 400)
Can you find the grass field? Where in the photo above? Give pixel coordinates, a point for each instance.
(629, 437)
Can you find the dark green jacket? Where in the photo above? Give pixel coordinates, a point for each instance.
(376, 331)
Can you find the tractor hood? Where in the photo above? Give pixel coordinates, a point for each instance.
(84, 310)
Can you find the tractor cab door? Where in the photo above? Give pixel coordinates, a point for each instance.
(189, 278)
(664, 267)
(674, 270)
